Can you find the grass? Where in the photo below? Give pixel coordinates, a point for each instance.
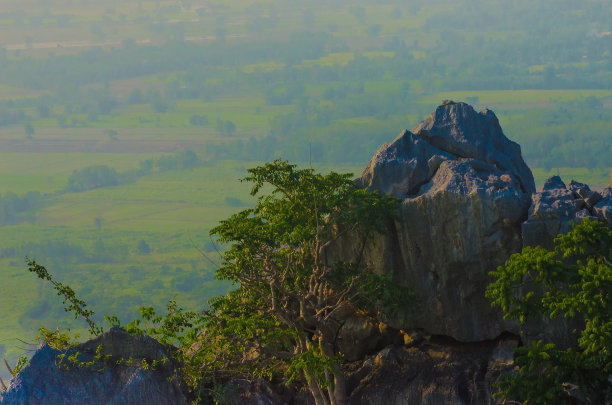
(342, 58)
(248, 111)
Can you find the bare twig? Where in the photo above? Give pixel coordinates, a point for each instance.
(204, 255)
(10, 370)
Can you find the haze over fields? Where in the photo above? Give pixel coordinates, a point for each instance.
(125, 125)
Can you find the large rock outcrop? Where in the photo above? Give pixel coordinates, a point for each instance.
(468, 202)
(465, 191)
(117, 380)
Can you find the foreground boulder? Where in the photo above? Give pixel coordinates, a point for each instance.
(465, 191)
(123, 378)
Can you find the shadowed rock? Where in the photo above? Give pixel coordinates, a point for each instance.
(43, 382)
(556, 207)
(603, 208)
(432, 373)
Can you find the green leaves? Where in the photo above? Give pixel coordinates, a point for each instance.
(575, 282)
(290, 293)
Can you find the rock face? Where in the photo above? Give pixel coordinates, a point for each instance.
(43, 382)
(465, 191)
(557, 206)
(425, 372)
(431, 373)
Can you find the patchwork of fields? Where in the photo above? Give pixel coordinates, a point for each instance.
(172, 211)
(323, 86)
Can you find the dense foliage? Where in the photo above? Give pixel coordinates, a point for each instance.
(283, 315)
(574, 283)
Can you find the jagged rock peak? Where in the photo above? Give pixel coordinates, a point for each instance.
(458, 129)
(553, 183)
(454, 131)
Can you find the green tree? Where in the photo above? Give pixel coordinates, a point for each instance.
(143, 247)
(93, 177)
(29, 130)
(574, 282)
(283, 315)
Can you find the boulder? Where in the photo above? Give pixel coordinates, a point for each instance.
(358, 335)
(117, 376)
(465, 190)
(557, 206)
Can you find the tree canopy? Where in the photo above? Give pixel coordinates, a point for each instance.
(573, 282)
(282, 319)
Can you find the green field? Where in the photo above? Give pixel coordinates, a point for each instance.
(136, 85)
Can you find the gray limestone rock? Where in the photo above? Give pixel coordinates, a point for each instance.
(43, 382)
(464, 223)
(461, 131)
(603, 208)
(465, 191)
(556, 207)
(554, 182)
(551, 212)
(401, 167)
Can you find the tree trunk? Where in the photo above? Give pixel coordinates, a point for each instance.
(315, 389)
(337, 392)
(339, 387)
